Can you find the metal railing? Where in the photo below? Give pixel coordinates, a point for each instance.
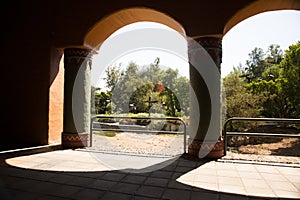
(230, 120)
(141, 131)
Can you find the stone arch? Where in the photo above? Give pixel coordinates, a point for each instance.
(108, 25)
(260, 7)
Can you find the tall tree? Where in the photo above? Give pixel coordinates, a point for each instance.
(256, 64)
(281, 85)
(136, 84)
(290, 69)
(239, 101)
(113, 75)
(274, 54)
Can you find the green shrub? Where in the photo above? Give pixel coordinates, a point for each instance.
(105, 133)
(142, 122)
(107, 120)
(127, 121)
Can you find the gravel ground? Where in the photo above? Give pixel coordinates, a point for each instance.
(286, 150)
(140, 143)
(172, 145)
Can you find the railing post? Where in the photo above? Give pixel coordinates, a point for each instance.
(91, 131)
(184, 136)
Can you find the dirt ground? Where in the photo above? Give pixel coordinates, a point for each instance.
(285, 147)
(269, 149)
(268, 145)
(283, 150)
(140, 143)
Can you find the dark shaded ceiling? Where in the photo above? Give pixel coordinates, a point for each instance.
(198, 17)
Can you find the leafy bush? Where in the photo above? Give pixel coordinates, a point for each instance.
(107, 120)
(105, 133)
(142, 122)
(128, 121)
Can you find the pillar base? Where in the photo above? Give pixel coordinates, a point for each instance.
(74, 140)
(215, 149)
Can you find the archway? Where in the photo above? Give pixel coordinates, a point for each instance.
(107, 26)
(260, 7)
(150, 44)
(81, 56)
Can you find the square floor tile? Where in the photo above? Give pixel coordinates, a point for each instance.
(255, 183)
(150, 191)
(234, 189)
(283, 185)
(287, 194)
(259, 192)
(176, 194)
(156, 181)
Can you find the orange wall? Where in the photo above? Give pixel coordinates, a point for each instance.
(56, 106)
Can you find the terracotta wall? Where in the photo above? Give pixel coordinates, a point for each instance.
(56, 106)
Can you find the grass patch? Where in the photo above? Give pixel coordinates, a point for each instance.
(105, 133)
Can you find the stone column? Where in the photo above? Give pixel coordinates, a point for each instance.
(77, 97)
(204, 138)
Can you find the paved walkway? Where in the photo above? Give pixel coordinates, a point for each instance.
(75, 174)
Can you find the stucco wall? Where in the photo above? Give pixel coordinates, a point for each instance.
(56, 106)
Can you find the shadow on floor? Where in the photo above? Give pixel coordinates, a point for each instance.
(19, 183)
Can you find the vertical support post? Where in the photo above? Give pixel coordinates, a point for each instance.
(77, 97)
(202, 119)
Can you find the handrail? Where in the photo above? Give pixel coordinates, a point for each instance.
(145, 131)
(225, 133)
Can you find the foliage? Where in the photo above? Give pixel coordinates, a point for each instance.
(267, 86)
(259, 62)
(131, 89)
(102, 102)
(105, 133)
(256, 64)
(280, 83)
(142, 122)
(107, 120)
(113, 74)
(239, 101)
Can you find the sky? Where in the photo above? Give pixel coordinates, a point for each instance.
(262, 30)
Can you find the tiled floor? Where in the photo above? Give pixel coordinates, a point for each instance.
(247, 179)
(74, 174)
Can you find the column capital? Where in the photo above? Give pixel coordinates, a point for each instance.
(213, 46)
(209, 42)
(80, 52)
(77, 56)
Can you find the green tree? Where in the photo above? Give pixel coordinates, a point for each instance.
(100, 101)
(259, 62)
(239, 101)
(256, 64)
(280, 84)
(124, 88)
(290, 69)
(181, 89)
(95, 100)
(172, 103)
(113, 75)
(274, 54)
(136, 84)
